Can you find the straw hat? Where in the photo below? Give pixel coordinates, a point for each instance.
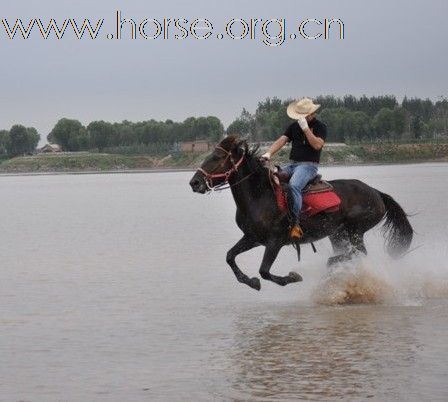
(301, 108)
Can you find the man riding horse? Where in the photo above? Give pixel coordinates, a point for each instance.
(307, 136)
(264, 222)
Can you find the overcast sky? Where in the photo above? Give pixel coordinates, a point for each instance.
(394, 47)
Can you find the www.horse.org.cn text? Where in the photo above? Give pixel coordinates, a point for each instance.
(271, 32)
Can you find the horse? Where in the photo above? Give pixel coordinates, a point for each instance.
(362, 207)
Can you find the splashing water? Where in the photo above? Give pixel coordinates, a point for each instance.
(352, 284)
(420, 276)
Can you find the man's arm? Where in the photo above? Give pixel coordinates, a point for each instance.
(316, 142)
(275, 147)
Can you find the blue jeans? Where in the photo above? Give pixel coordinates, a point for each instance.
(301, 173)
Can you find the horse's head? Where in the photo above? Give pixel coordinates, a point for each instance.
(217, 168)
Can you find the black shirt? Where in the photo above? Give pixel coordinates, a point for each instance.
(301, 150)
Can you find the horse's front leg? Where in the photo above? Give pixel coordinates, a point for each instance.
(244, 244)
(270, 254)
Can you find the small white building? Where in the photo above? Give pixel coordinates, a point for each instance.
(50, 148)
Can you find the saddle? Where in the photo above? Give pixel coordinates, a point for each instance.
(318, 194)
(315, 185)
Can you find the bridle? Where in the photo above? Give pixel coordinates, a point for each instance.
(209, 177)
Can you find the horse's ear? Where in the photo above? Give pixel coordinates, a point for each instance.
(243, 144)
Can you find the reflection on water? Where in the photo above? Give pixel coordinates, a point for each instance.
(327, 353)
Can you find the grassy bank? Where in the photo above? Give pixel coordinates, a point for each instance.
(349, 155)
(82, 162)
(380, 153)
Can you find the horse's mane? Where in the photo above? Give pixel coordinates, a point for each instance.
(252, 153)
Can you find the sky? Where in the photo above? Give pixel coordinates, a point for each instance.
(390, 47)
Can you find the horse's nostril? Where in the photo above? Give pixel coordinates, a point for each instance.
(194, 184)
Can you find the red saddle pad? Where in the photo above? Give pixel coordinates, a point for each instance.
(314, 203)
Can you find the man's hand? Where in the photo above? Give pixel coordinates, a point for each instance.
(302, 123)
(277, 145)
(266, 156)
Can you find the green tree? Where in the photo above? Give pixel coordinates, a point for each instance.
(238, 127)
(70, 134)
(337, 123)
(244, 125)
(4, 138)
(189, 129)
(202, 128)
(417, 127)
(33, 139)
(215, 128)
(423, 109)
(22, 140)
(101, 134)
(357, 126)
(125, 133)
(270, 119)
(389, 123)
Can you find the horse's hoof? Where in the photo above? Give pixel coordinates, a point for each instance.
(254, 283)
(337, 259)
(295, 277)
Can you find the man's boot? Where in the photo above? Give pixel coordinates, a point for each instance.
(296, 232)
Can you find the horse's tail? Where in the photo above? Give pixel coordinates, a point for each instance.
(397, 229)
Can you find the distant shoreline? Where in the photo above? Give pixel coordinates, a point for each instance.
(180, 170)
(96, 163)
(92, 172)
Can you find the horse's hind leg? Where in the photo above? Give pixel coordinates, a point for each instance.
(244, 244)
(341, 247)
(270, 254)
(346, 244)
(357, 241)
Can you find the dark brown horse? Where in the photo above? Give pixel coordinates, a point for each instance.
(262, 223)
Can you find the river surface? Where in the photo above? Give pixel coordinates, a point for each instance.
(115, 288)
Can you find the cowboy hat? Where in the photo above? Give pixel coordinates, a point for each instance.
(301, 108)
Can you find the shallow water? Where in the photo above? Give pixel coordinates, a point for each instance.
(115, 287)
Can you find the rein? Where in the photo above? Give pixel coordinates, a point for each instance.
(220, 187)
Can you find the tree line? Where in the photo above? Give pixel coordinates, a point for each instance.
(19, 140)
(349, 119)
(153, 137)
(352, 119)
(71, 135)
